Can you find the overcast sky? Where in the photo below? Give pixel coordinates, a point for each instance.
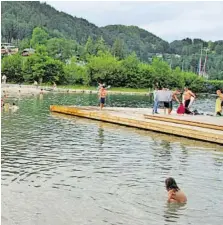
(169, 20)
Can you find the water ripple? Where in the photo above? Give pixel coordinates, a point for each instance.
(90, 172)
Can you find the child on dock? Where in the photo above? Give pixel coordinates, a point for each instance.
(102, 95)
(174, 192)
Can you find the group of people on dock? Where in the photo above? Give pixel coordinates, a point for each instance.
(167, 97)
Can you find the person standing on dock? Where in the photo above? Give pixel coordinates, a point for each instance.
(188, 98)
(54, 86)
(102, 96)
(174, 98)
(219, 103)
(155, 101)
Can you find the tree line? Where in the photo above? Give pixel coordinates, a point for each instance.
(20, 18)
(64, 61)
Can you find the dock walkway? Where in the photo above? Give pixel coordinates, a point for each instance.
(205, 128)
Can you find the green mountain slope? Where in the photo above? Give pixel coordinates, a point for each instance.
(20, 18)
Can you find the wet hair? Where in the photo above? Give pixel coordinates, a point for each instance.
(171, 184)
(41, 89)
(13, 103)
(103, 85)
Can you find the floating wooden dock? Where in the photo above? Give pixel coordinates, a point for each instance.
(205, 128)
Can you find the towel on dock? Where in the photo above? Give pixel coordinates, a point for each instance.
(181, 109)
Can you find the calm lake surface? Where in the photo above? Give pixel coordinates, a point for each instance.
(63, 170)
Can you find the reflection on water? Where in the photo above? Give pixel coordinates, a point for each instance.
(173, 211)
(59, 169)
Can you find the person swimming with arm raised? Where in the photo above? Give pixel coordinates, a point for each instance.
(174, 192)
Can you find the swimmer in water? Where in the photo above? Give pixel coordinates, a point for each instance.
(174, 192)
(41, 91)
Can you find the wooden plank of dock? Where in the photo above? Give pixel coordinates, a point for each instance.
(135, 117)
(186, 121)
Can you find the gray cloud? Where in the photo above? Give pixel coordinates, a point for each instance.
(169, 20)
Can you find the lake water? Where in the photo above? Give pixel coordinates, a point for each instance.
(63, 170)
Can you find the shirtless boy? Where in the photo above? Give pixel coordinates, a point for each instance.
(102, 95)
(187, 98)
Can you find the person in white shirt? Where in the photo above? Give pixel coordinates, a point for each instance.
(4, 78)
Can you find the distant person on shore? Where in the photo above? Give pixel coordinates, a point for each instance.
(4, 94)
(102, 96)
(188, 98)
(155, 101)
(35, 83)
(219, 103)
(174, 192)
(4, 78)
(54, 86)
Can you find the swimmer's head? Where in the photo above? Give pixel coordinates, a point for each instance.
(13, 103)
(171, 184)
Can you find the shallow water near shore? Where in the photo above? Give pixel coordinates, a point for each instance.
(59, 169)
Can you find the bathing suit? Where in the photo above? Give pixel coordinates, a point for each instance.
(187, 103)
(168, 105)
(102, 100)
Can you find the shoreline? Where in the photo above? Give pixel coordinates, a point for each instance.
(13, 90)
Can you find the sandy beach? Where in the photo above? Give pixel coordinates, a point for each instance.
(15, 90)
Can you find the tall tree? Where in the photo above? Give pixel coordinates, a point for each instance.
(39, 37)
(118, 49)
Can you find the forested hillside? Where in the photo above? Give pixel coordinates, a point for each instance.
(20, 18)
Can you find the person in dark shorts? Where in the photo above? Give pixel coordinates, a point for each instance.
(102, 96)
(187, 98)
(166, 106)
